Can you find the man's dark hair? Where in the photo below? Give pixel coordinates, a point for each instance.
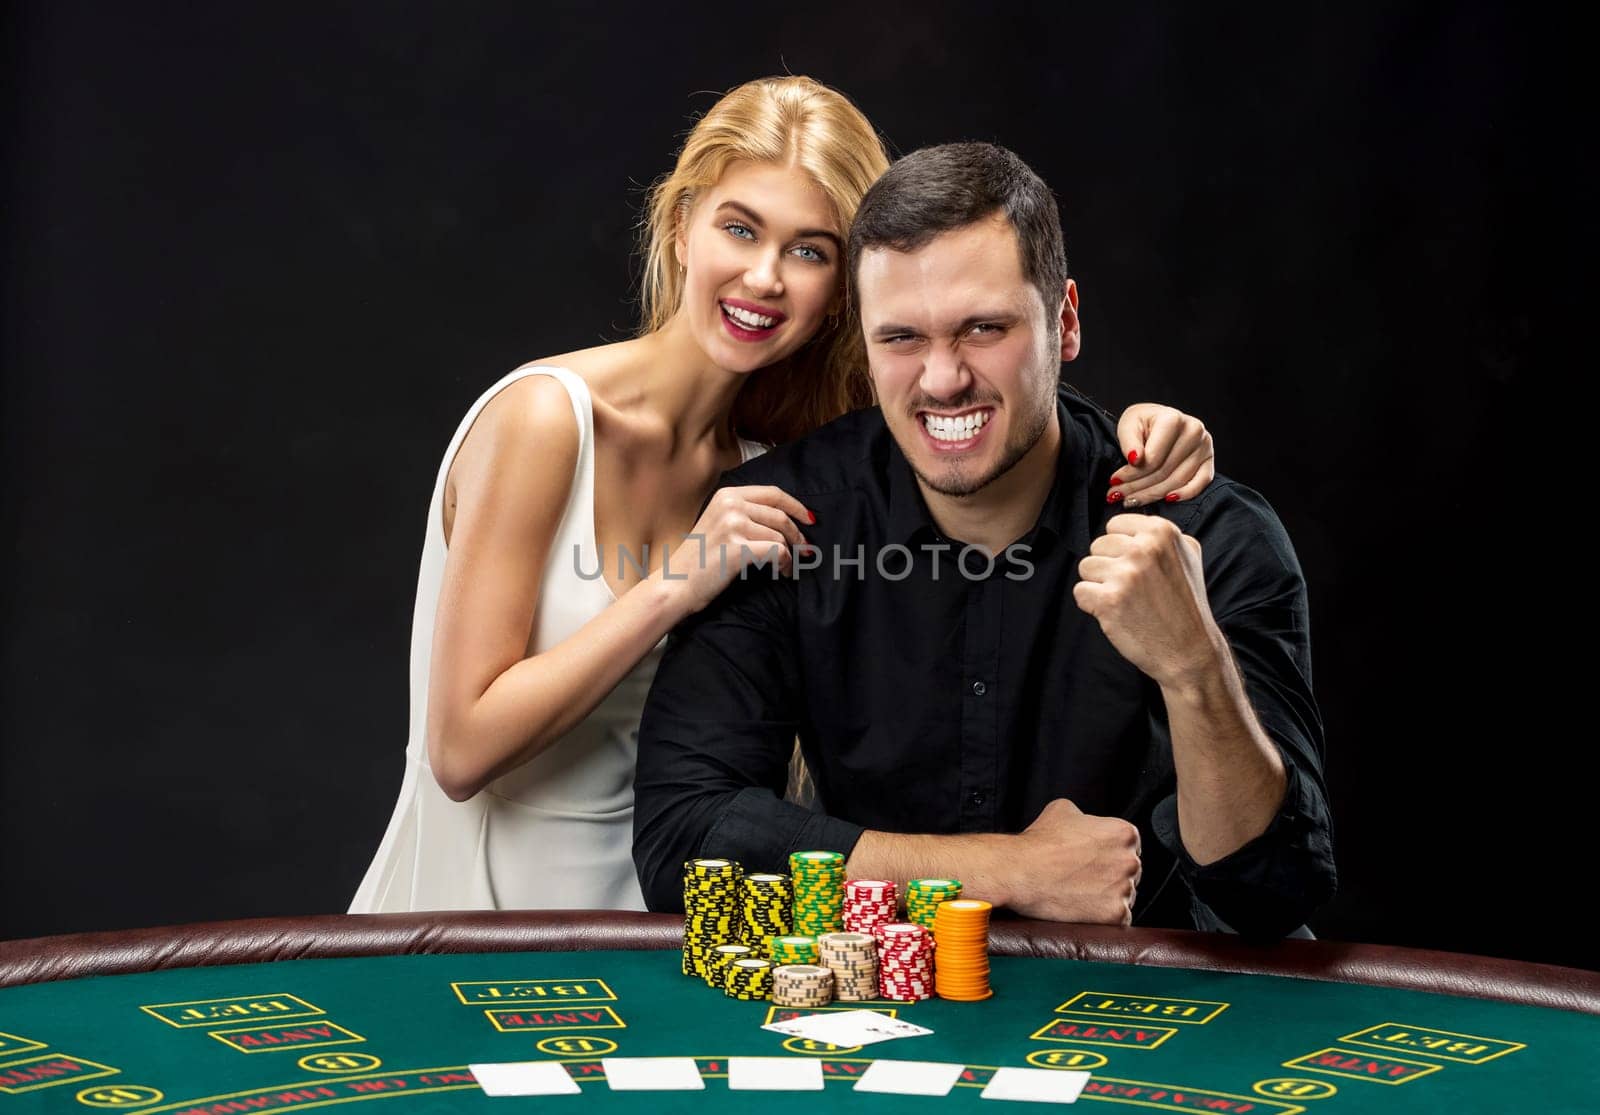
(938, 189)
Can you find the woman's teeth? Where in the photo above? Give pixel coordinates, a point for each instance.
(955, 429)
(748, 319)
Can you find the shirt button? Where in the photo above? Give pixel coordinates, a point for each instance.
(976, 798)
(979, 689)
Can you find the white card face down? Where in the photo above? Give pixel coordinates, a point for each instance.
(525, 1078)
(910, 1078)
(774, 1074)
(652, 1074)
(1036, 1085)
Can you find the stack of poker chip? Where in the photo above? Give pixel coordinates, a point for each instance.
(749, 977)
(905, 961)
(766, 904)
(924, 895)
(710, 912)
(854, 960)
(961, 931)
(802, 985)
(868, 903)
(721, 959)
(794, 950)
(818, 891)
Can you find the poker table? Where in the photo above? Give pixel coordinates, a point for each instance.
(280, 1014)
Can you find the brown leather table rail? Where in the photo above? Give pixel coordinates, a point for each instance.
(256, 940)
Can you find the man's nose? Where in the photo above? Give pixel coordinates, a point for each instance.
(944, 376)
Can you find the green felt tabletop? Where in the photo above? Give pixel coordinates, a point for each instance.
(400, 1031)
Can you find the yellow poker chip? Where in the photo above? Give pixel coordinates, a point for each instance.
(711, 915)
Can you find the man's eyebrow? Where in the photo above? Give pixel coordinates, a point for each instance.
(999, 317)
(890, 329)
(996, 317)
(754, 218)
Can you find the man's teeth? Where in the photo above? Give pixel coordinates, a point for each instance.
(955, 429)
(748, 319)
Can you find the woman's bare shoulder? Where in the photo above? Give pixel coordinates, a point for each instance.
(608, 370)
(522, 446)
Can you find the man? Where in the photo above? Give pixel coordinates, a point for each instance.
(1108, 685)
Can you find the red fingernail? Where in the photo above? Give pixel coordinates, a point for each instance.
(1133, 456)
(1114, 497)
(1115, 480)
(1173, 497)
(811, 517)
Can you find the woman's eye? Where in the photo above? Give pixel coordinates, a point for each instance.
(741, 231)
(810, 254)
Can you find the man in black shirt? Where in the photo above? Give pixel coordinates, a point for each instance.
(1109, 720)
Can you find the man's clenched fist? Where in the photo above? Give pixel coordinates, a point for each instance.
(1143, 581)
(1074, 866)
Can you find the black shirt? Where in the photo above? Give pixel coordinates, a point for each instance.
(932, 698)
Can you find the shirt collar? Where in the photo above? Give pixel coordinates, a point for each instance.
(1066, 513)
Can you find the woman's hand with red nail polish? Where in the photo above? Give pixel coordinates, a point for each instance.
(1171, 454)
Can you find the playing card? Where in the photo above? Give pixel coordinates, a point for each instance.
(774, 1074)
(525, 1078)
(652, 1074)
(846, 1028)
(1036, 1085)
(910, 1078)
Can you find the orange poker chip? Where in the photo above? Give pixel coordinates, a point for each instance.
(961, 936)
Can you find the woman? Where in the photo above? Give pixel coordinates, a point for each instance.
(528, 674)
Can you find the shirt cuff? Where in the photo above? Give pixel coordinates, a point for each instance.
(759, 830)
(1272, 884)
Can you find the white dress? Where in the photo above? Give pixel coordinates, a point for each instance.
(557, 832)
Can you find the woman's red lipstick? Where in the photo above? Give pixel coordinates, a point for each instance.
(740, 331)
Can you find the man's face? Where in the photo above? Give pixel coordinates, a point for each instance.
(964, 353)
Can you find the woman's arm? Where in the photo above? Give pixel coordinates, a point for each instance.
(490, 706)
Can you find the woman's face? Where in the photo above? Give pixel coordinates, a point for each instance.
(762, 253)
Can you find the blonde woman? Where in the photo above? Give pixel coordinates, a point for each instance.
(528, 671)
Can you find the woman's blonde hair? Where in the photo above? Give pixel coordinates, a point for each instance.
(790, 121)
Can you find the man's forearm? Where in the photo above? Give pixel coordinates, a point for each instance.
(1231, 778)
(977, 859)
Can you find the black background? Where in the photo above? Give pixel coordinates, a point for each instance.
(260, 258)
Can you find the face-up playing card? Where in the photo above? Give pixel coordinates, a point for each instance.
(652, 1074)
(525, 1078)
(774, 1074)
(910, 1078)
(846, 1028)
(1037, 1085)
